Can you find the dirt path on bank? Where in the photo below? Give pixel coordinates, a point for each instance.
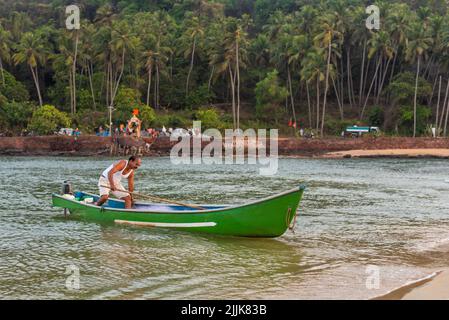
(408, 153)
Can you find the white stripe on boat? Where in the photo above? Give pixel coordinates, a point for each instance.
(167, 224)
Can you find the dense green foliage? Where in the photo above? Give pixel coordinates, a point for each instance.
(209, 118)
(182, 57)
(47, 120)
(270, 97)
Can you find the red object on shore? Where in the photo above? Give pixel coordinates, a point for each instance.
(290, 123)
(294, 124)
(136, 112)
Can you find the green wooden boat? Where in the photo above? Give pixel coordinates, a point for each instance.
(269, 217)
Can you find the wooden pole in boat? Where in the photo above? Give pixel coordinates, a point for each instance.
(150, 197)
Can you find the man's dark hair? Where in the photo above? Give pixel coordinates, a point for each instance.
(133, 158)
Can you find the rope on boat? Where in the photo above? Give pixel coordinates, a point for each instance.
(287, 217)
(291, 226)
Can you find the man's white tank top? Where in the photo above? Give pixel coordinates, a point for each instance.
(117, 177)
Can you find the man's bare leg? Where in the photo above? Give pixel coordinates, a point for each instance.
(128, 202)
(102, 200)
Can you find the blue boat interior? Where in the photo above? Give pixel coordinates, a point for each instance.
(119, 204)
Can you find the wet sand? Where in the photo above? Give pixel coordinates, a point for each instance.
(408, 153)
(433, 287)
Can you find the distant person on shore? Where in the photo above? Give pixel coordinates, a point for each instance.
(110, 181)
(76, 133)
(99, 131)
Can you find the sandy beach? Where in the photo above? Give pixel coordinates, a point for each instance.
(408, 153)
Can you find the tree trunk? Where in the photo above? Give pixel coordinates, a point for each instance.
(119, 77)
(362, 75)
(155, 91)
(340, 107)
(36, 83)
(238, 82)
(415, 98)
(149, 85)
(209, 84)
(369, 90)
(341, 80)
(446, 117)
(365, 81)
(427, 70)
(326, 86)
(231, 78)
(348, 69)
(438, 106)
(443, 110)
(107, 85)
(157, 85)
(317, 103)
(382, 81)
(90, 74)
(308, 104)
(191, 65)
(392, 68)
(430, 98)
(291, 93)
(74, 72)
(71, 91)
(2, 72)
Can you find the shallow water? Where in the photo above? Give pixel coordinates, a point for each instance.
(356, 213)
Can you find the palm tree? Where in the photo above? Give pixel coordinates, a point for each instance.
(260, 51)
(300, 46)
(19, 23)
(228, 57)
(87, 54)
(417, 47)
(282, 52)
(240, 54)
(156, 31)
(194, 32)
(5, 49)
(63, 64)
(68, 49)
(380, 44)
(313, 70)
(397, 23)
(75, 35)
(32, 51)
(329, 24)
(122, 40)
(149, 58)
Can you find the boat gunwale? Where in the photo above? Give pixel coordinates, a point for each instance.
(301, 188)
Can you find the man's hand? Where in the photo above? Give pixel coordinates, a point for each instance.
(113, 188)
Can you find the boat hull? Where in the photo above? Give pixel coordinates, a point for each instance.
(268, 217)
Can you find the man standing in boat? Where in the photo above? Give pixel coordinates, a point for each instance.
(110, 181)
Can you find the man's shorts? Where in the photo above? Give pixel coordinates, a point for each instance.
(103, 183)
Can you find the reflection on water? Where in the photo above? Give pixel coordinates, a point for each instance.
(355, 213)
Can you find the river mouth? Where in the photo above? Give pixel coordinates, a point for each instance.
(359, 219)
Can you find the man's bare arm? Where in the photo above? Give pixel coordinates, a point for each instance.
(131, 182)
